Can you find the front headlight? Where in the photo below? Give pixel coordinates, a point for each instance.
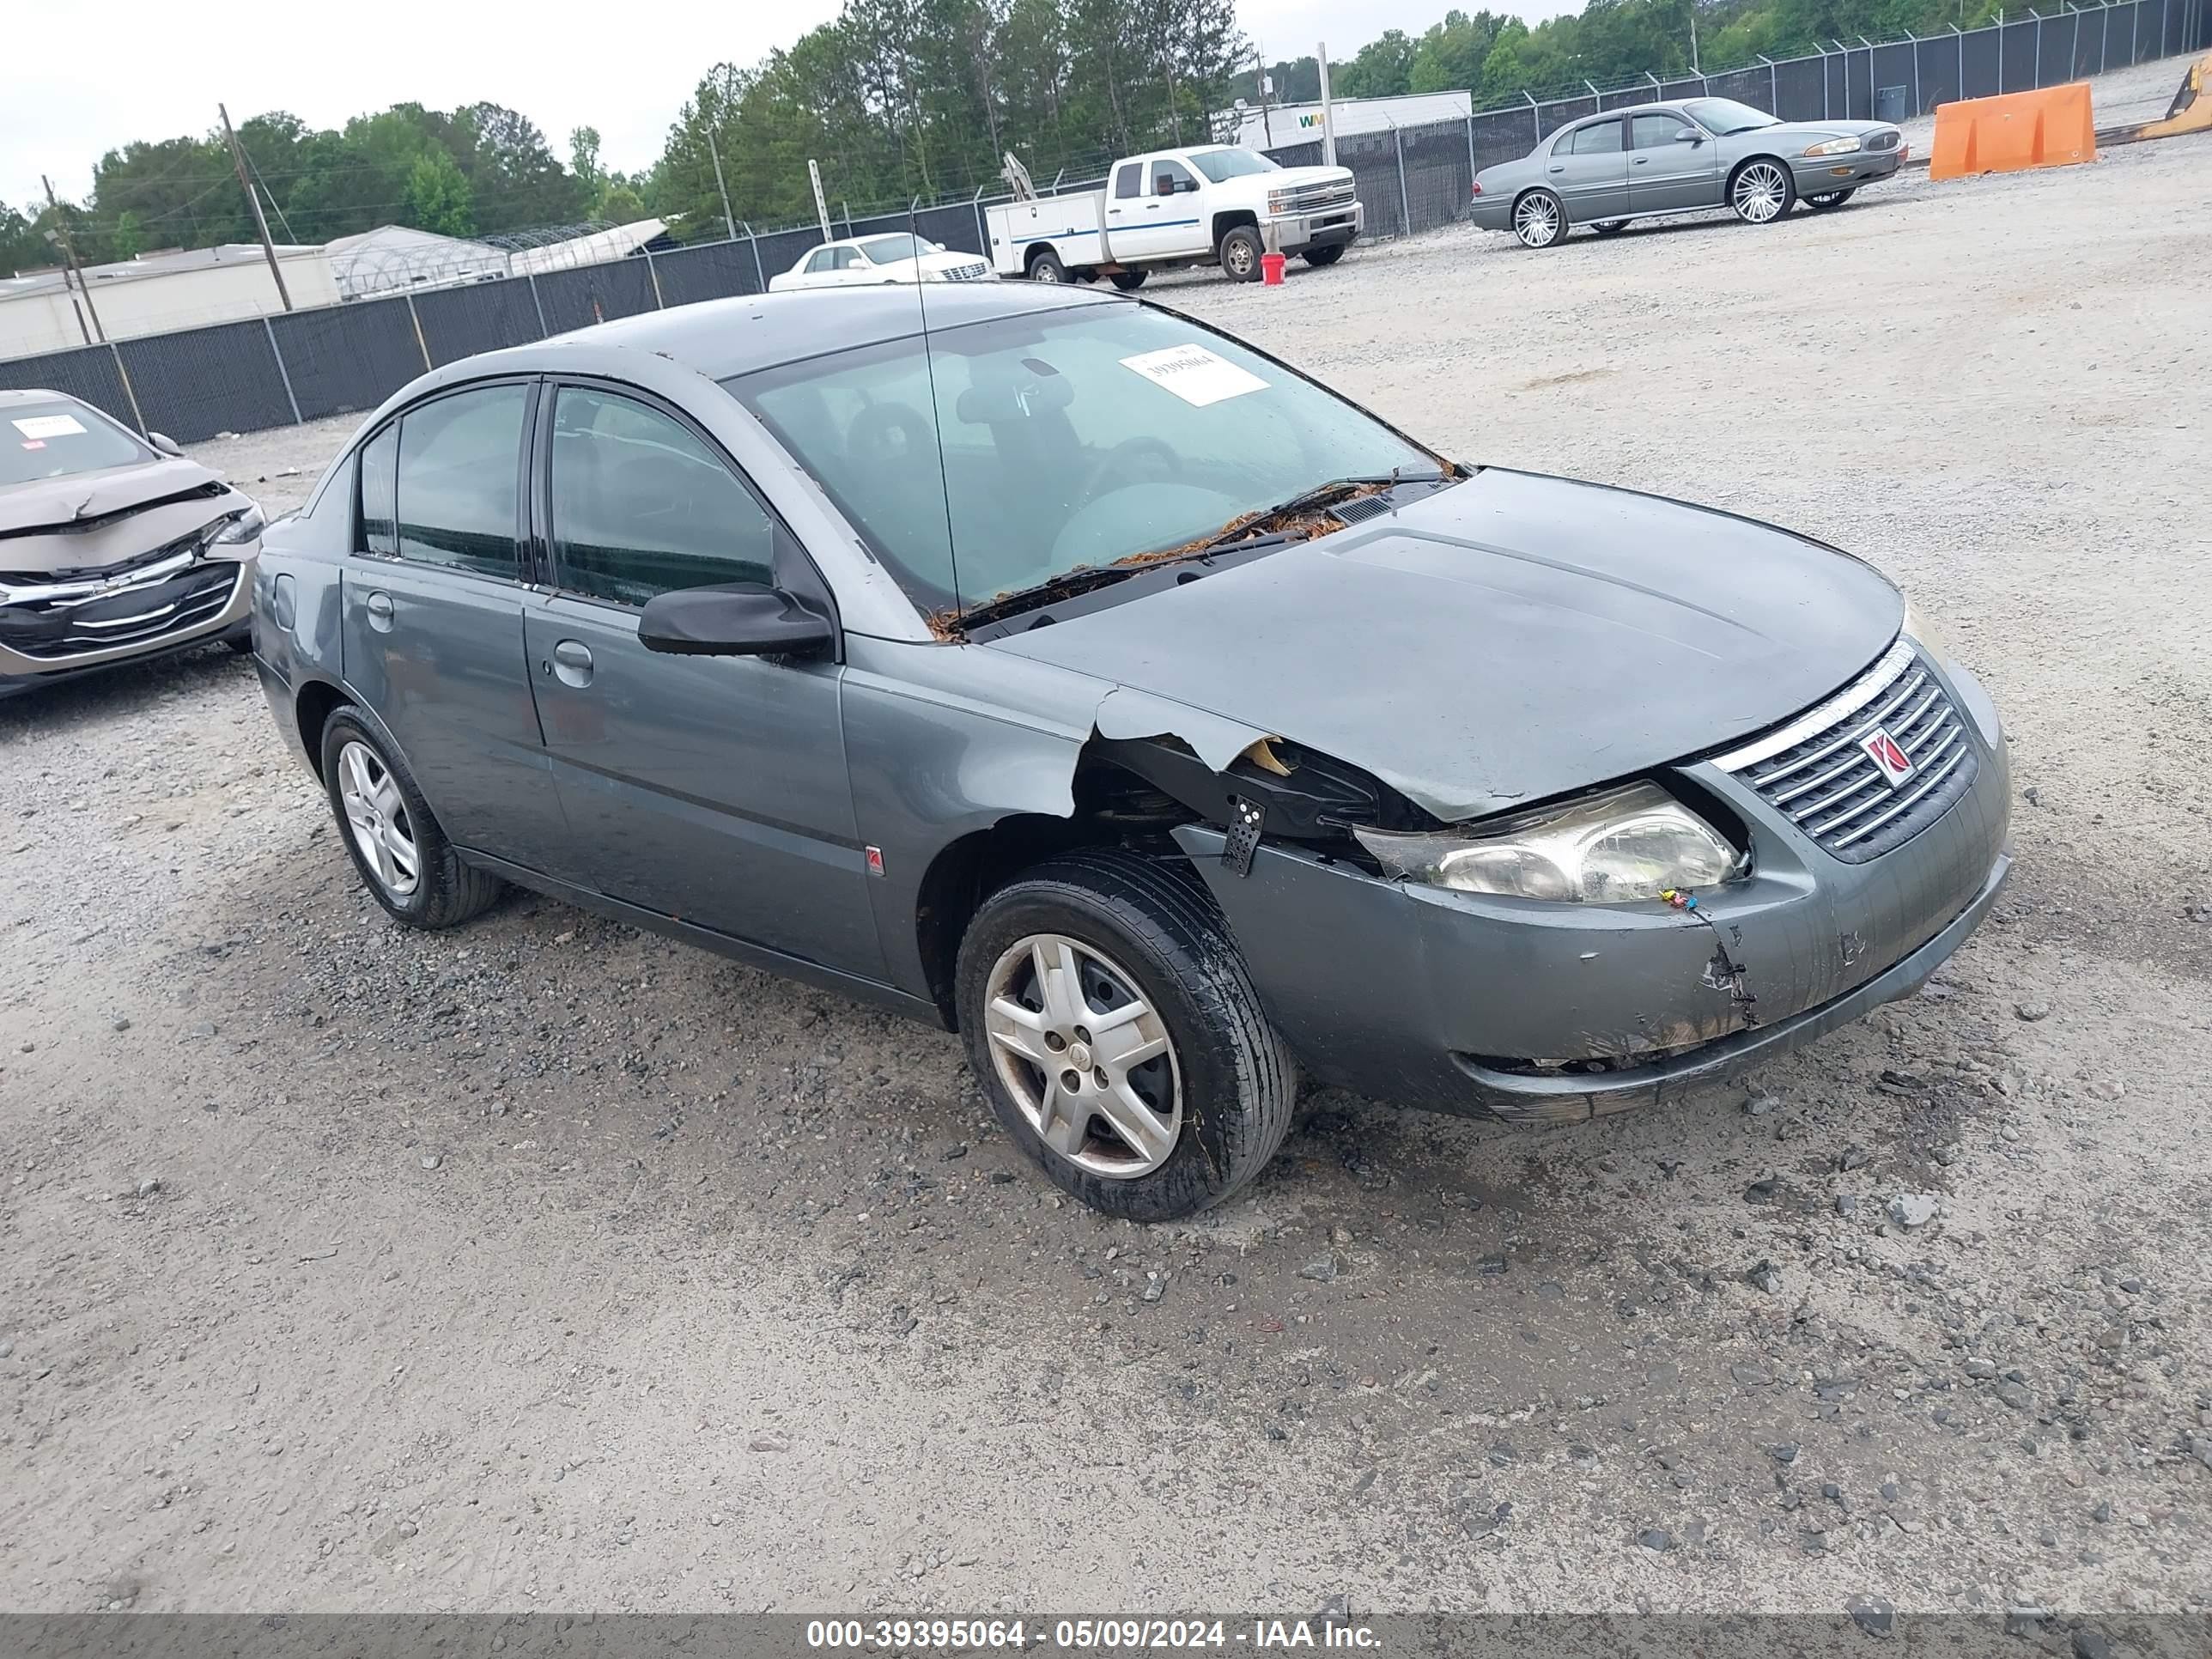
(1925, 634)
(1278, 201)
(1636, 842)
(1833, 147)
(239, 527)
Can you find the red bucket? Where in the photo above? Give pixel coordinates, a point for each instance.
(1271, 269)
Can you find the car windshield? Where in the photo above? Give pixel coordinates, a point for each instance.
(1069, 439)
(1220, 164)
(882, 250)
(1723, 116)
(55, 438)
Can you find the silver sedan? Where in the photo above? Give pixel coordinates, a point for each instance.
(1678, 158)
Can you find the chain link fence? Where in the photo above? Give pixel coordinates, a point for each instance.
(302, 366)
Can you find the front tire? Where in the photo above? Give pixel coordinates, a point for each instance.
(1130, 280)
(1539, 220)
(1240, 252)
(401, 854)
(1761, 191)
(1828, 200)
(1114, 1029)
(1318, 256)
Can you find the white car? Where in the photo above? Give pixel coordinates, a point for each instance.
(894, 256)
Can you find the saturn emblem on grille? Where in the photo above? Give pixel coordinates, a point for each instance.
(1889, 759)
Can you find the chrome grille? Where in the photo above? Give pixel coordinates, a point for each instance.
(967, 273)
(1817, 772)
(53, 630)
(1311, 198)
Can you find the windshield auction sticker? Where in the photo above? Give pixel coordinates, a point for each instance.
(49, 426)
(1194, 374)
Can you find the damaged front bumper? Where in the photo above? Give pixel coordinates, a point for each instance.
(1553, 1012)
(171, 599)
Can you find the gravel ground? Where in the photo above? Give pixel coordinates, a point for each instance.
(545, 1264)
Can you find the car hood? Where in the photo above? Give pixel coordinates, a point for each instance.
(1503, 641)
(1289, 178)
(1813, 129)
(90, 520)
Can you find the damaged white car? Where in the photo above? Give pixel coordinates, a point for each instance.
(1073, 675)
(112, 548)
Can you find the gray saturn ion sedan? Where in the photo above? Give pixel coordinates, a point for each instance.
(112, 548)
(1078, 677)
(1678, 158)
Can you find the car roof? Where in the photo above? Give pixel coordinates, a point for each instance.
(34, 395)
(722, 337)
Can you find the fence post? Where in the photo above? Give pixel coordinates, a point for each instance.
(653, 276)
(759, 275)
(1405, 206)
(982, 234)
(1773, 85)
(282, 373)
(537, 304)
(1956, 30)
(1914, 39)
(130, 392)
(1536, 115)
(2135, 30)
(419, 340)
(2038, 70)
(1470, 149)
(2104, 33)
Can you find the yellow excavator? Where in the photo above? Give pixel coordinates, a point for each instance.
(2190, 112)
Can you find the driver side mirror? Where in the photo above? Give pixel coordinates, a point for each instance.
(1688, 136)
(164, 443)
(737, 619)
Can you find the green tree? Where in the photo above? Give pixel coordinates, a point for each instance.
(437, 196)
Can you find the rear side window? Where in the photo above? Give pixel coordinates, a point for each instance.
(1602, 138)
(458, 490)
(641, 506)
(380, 473)
(823, 259)
(1129, 181)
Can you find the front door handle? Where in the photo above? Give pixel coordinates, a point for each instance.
(1561, 168)
(1641, 159)
(379, 606)
(571, 663)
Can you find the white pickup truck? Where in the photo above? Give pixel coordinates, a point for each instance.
(1176, 207)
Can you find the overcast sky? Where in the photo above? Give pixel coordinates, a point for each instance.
(76, 81)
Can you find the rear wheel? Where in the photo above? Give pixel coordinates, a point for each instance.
(1117, 1035)
(1829, 198)
(1610, 227)
(402, 855)
(1540, 219)
(1045, 267)
(1240, 253)
(1130, 280)
(1325, 256)
(1761, 192)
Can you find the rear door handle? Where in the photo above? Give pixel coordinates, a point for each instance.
(379, 606)
(1562, 168)
(571, 663)
(1641, 159)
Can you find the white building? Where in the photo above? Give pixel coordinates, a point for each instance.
(156, 293)
(393, 259)
(1277, 126)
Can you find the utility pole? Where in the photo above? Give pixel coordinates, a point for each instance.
(1329, 110)
(59, 235)
(729, 224)
(253, 201)
(1694, 68)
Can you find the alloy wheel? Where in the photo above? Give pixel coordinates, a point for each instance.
(1085, 1055)
(376, 814)
(1761, 192)
(1536, 220)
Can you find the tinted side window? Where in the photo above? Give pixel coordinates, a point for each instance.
(1602, 139)
(1656, 131)
(641, 506)
(848, 258)
(1129, 181)
(457, 494)
(1174, 174)
(823, 260)
(379, 467)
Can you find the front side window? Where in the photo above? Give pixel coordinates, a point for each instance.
(379, 472)
(847, 259)
(1657, 130)
(888, 250)
(459, 457)
(1220, 164)
(57, 437)
(1599, 139)
(641, 506)
(1058, 440)
(1169, 177)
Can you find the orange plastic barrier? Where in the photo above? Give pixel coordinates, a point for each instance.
(2020, 130)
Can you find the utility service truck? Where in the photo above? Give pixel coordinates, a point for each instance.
(1213, 202)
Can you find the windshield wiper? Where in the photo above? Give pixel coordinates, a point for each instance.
(1320, 495)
